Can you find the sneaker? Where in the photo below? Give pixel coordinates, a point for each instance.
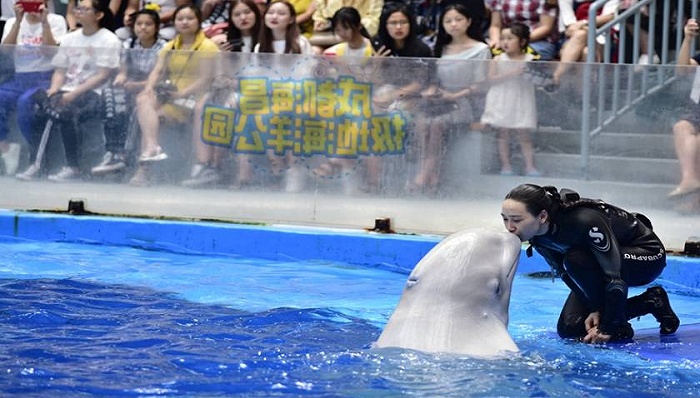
(156, 156)
(204, 176)
(645, 60)
(661, 310)
(197, 169)
(31, 174)
(110, 163)
(11, 159)
(66, 174)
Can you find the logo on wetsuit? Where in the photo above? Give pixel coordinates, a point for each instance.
(599, 240)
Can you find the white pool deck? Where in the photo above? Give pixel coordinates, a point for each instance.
(477, 207)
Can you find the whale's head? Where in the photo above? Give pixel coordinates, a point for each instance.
(457, 297)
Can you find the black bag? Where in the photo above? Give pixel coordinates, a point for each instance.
(115, 109)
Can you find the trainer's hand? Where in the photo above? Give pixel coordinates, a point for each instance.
(592, 321)
(594, 336)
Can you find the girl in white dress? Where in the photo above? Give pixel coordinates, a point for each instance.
(510, 103)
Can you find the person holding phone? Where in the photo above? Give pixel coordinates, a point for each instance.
(33, 26)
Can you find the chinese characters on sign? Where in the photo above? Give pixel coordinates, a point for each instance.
(306, 117)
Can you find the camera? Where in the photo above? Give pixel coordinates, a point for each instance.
(165, 90)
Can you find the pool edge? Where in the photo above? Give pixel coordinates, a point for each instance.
(398, 252)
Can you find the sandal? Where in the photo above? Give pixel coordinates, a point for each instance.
(681, 193)
(140, 179)
(156, 156)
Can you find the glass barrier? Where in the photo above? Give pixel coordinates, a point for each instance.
(356, 127)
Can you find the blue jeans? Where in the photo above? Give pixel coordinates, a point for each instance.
(548, 51)
(16, 93)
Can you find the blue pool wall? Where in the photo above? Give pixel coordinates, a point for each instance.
(396, 252)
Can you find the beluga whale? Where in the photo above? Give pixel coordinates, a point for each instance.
(457, 297)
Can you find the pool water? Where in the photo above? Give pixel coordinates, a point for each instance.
(93, 320)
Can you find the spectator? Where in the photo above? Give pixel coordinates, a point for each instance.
(245, 21)
(33, 72)
(84, 62)
(354, 37)
(138, 61)
(647, 55)
(279, 35)
(573, 26)
(397, 35)
(166, 13)
(354, 43)
(685, 131)
(538, 15)
(177, 81)
(117, 7)
(323, 36)
(215, 13)
(305, 10)
(448, 100)
(400, 89)
(510, 103)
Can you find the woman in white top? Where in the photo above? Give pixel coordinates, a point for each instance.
(84, 63)
(279, 35)
(448, 100)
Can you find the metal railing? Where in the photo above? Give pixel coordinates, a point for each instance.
(619, 92)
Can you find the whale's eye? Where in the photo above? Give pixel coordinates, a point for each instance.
(411, 282)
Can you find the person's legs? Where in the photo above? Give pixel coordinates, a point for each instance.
(571, 323)
(654, 301)
(547, 50)
(590, 282)
(571, 52)
(205, 169)
(204, 153)
(641, 266)
(687, 144)
(26, 113)
(9, 152)
(503, 141)
(429, 176)
(528, 151)
(147, 113)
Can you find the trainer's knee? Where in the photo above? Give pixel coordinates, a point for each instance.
(571, 328)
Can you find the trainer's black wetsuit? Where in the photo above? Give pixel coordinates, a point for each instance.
(590, 245)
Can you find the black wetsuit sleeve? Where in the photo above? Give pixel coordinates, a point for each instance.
(596, 234)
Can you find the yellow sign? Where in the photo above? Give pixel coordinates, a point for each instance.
(307, 117)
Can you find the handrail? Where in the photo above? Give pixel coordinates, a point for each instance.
(624, 96)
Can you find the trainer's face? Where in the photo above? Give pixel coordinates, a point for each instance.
(520, 222)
